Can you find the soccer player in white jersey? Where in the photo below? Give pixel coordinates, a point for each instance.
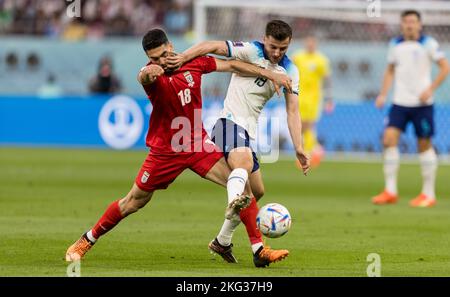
(410, 58)
(245, 99)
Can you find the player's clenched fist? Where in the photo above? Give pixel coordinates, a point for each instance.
(148, 74)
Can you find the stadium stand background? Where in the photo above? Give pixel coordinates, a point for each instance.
(38, 39)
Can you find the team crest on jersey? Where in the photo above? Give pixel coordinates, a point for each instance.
(145, 177)
(189, 78)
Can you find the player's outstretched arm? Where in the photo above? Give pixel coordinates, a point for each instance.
(279, 79)
(295, 129)
(203, 48)
(148, 74)
(388, 78)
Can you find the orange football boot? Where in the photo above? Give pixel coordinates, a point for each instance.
(385, 198)
(316, 157)
(422, 201)
(77, 250)
(265, 255)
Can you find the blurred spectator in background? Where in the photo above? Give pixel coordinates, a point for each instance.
(105, 82)
(33, 62)
(144, 17)
(11, 61)
(135, 17)
(316, 87)
(53, 27)
(6, 17)
(177, 19)
(98, 17)
(75, 30)
(119, 25)
(50, 90)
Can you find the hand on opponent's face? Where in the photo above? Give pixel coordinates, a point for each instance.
(174, 61)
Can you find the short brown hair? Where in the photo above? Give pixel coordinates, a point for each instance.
(154, 38)
(278, 30)
(411, 12)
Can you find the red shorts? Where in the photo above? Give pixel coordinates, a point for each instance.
(160, 170)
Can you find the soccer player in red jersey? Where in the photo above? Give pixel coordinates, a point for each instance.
(176, 136)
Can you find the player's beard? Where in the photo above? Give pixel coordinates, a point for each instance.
(170, 70)
(275, 60)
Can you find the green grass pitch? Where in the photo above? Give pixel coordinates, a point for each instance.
(48, 197)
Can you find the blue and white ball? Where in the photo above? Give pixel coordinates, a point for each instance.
(273, 220)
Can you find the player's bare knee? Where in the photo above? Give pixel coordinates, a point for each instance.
(389, 141)
(126, 207)
(134, 205)
(391, 137)
(424, 145)
(134, 201)
(245, 163)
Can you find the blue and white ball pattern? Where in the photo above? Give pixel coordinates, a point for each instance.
(273, 220)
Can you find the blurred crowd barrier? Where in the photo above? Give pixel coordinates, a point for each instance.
(121, 122)
(27, 63)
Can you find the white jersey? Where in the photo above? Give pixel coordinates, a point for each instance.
(412, 60)
(246, 96)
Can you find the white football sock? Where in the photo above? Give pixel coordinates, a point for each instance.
(428, 163)
(226, 233)
(235, 186)
(390, 168)
(256, 246)
(236, 183)
(90, 236)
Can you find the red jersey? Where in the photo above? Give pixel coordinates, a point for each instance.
(175, 122)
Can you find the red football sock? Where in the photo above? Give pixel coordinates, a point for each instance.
(248, 217)
(110, 218)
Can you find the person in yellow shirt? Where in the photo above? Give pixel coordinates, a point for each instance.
(314, 78)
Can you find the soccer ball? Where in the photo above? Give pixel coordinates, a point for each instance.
(273, 220)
